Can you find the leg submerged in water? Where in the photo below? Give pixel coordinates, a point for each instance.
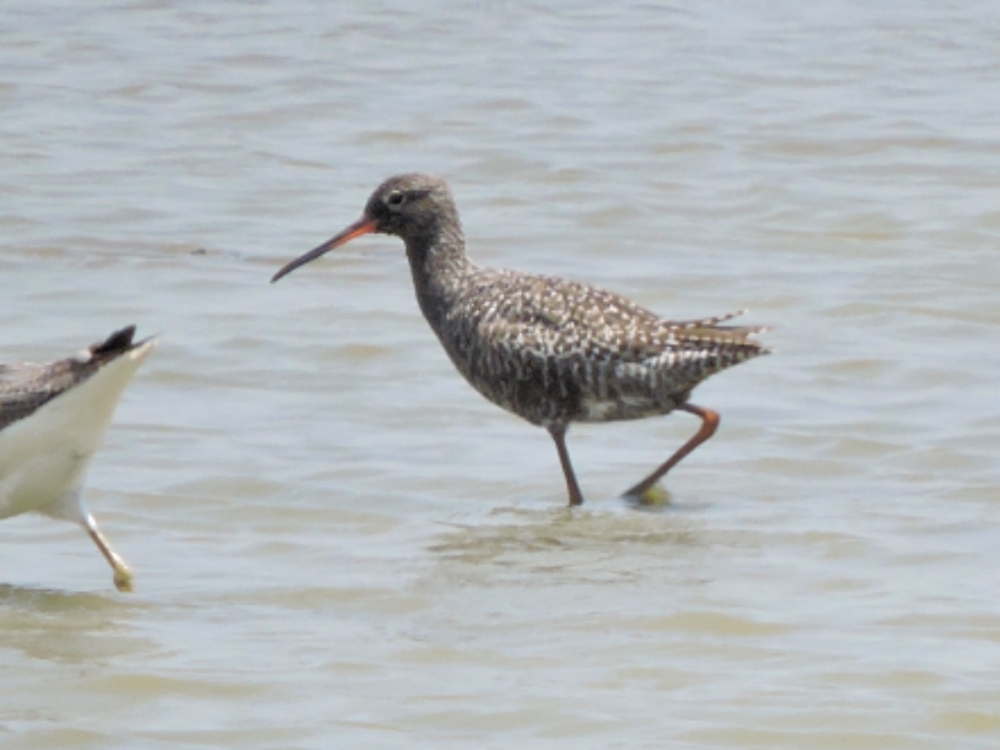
(709, 423)
(123, 574)
(558, 433)
(72, 508)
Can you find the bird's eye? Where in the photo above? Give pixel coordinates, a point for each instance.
(395, 199)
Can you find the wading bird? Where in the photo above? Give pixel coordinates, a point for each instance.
(52, 420)
(549, 350)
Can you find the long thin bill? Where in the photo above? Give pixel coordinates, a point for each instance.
(364, 225)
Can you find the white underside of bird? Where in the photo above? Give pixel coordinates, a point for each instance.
(44, 456)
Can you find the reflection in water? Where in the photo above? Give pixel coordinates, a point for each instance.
(53, 601)
(67, 627)
(543, 536)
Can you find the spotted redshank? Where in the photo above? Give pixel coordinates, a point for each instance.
(52, 420)
(549, 350)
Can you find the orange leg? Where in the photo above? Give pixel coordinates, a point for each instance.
(558, 433)
(709, 423)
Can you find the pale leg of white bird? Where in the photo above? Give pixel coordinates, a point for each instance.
(71, 507)
(123, 574)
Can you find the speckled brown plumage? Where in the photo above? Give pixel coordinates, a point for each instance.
(549, 350)
(24, 388)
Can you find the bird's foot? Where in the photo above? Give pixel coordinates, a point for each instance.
(123, 578)
(654, 497)
(123, 574)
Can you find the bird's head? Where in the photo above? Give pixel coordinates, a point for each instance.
(411, 206)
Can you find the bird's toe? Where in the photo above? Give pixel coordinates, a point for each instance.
(655, 496)
(123, 579)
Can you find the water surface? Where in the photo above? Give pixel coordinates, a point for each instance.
(337, 543)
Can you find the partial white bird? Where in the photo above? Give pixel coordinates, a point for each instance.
(52, 420)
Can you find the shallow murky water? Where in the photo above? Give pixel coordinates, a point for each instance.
(337, 543)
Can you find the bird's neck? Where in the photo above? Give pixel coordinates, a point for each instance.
(439, 264)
